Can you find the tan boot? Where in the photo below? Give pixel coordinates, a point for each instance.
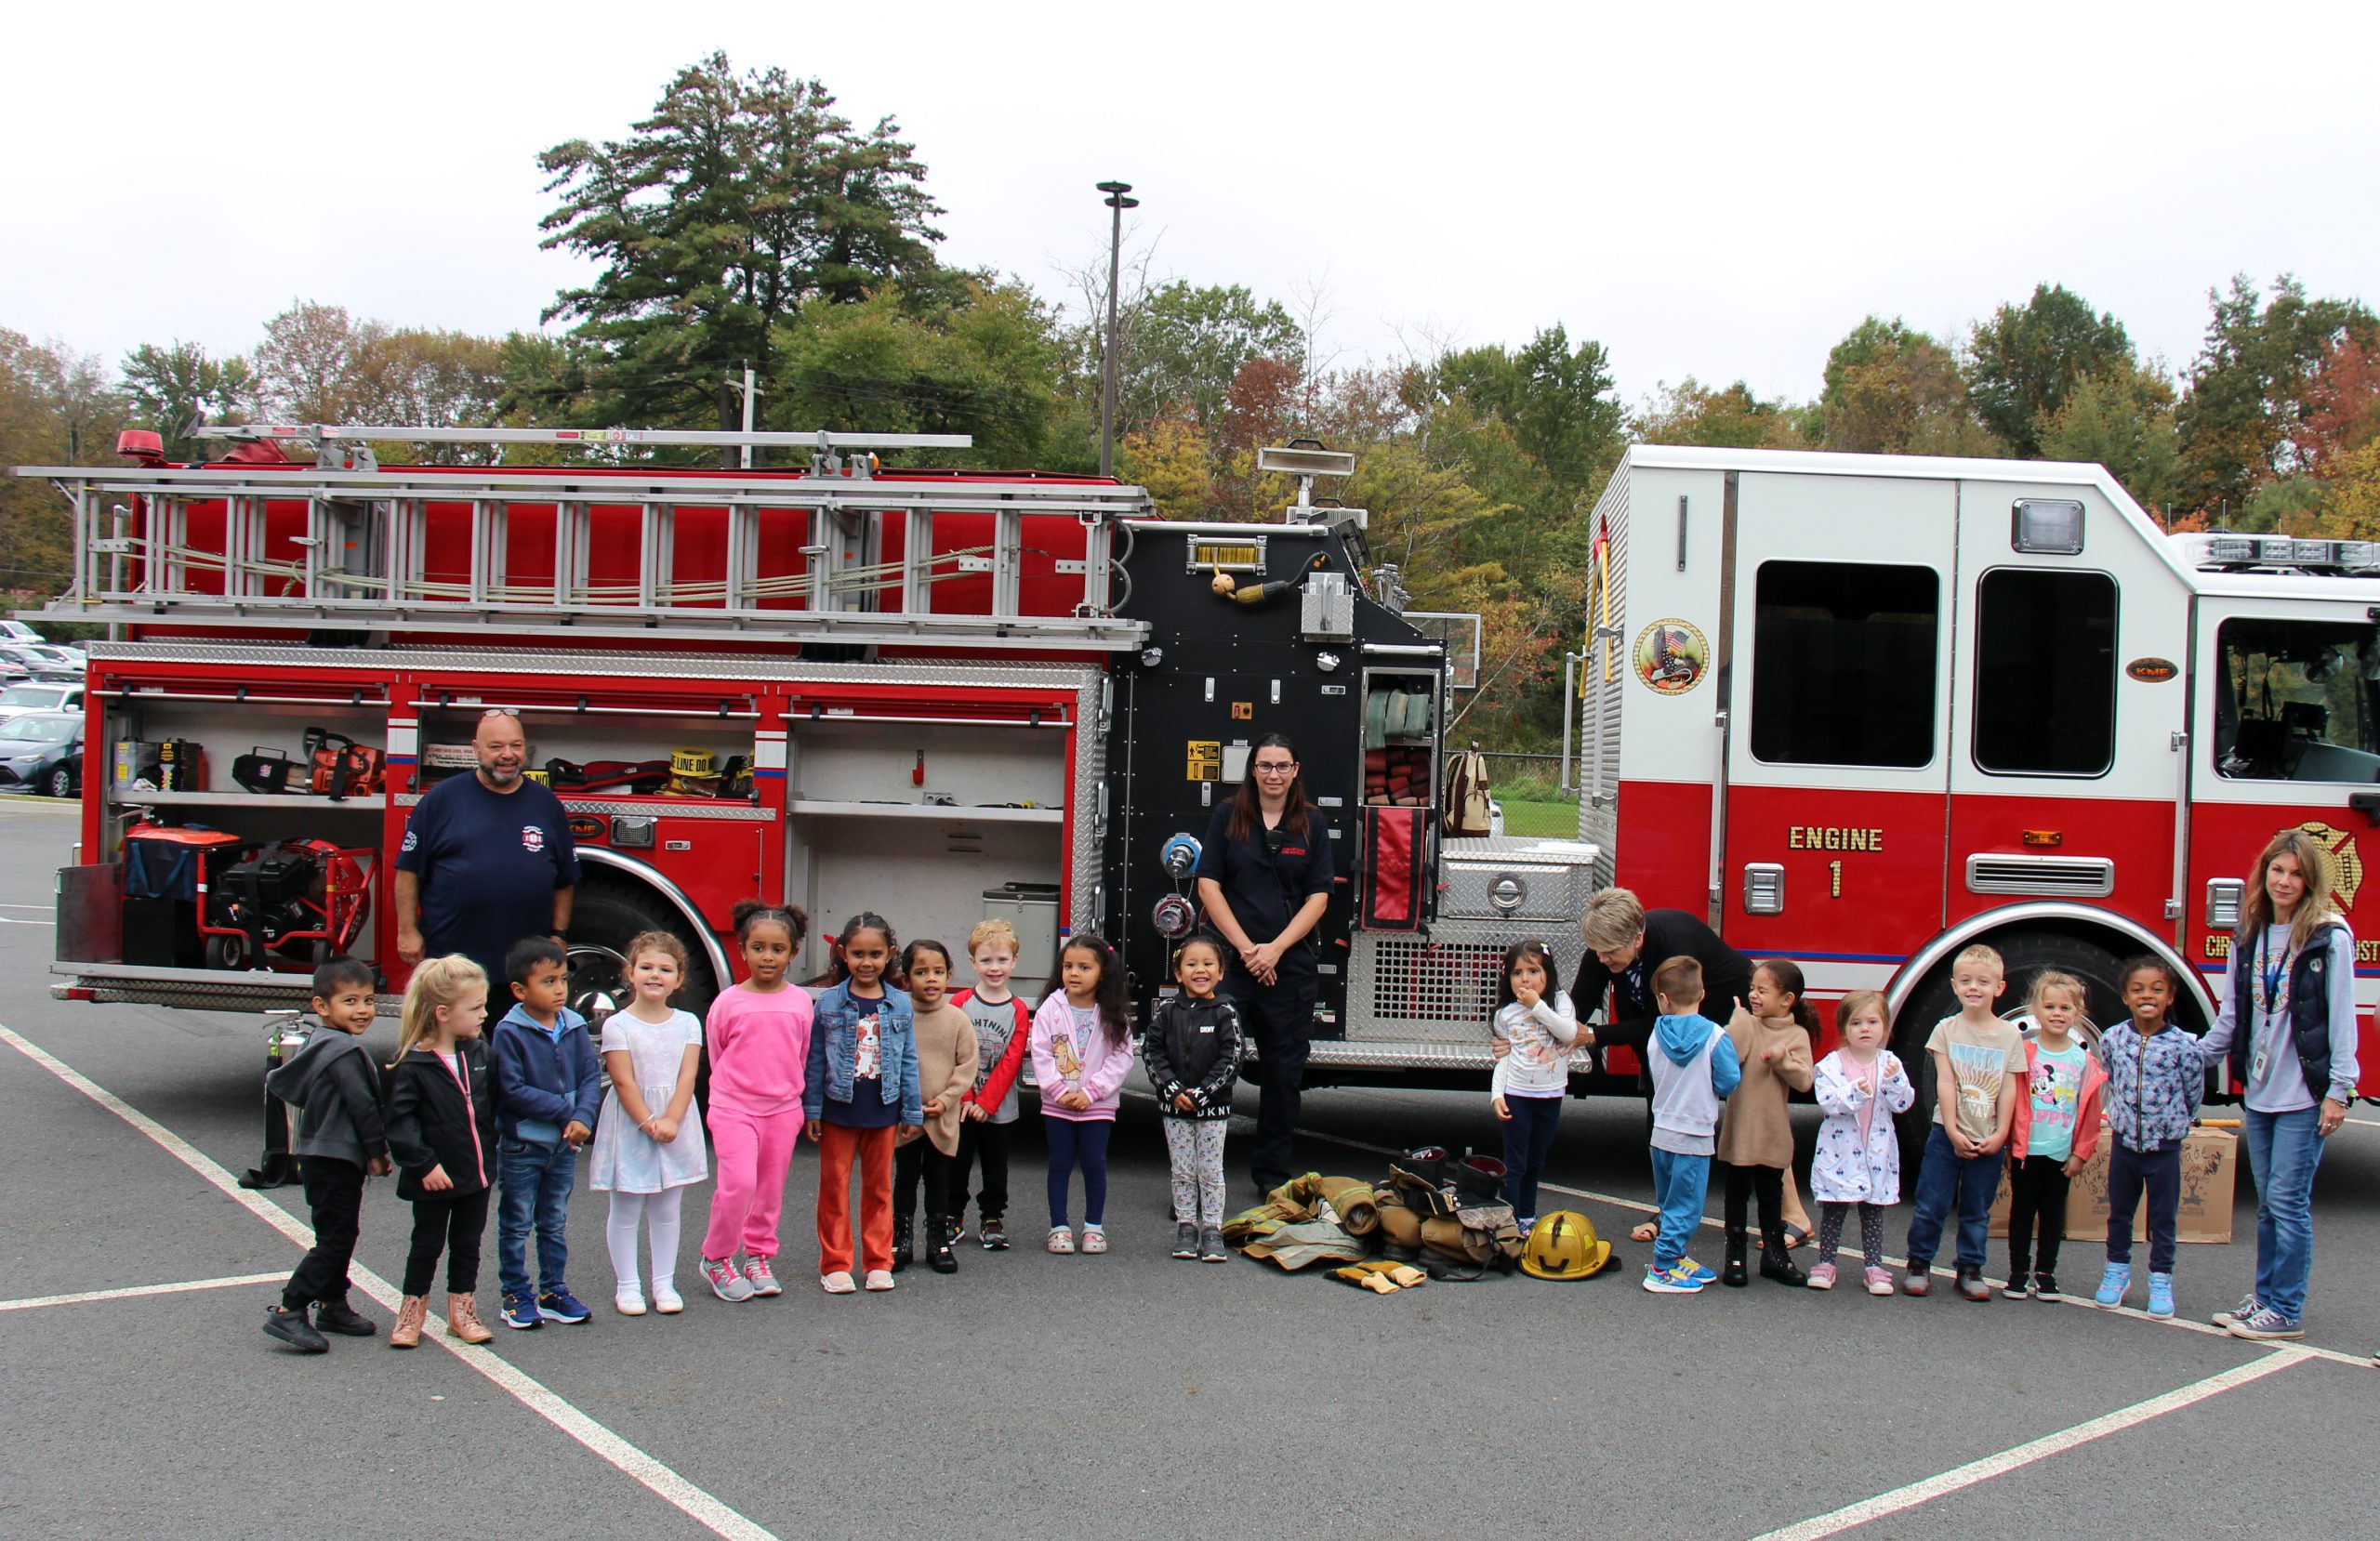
(463, 1319)
(411, 1313)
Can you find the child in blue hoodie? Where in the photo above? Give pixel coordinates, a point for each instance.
(1694, 1068)
(548, 1082)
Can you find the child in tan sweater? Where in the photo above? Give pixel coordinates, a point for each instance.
(947, 1060)
(1773, 1030)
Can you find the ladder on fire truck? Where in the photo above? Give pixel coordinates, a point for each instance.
(361, 562)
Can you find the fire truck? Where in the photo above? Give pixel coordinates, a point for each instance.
(1863, 711)
(943, 695)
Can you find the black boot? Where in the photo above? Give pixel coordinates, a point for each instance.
(943, 1231)
(904, 1239)
(1776, 1260)
(1733, 1275)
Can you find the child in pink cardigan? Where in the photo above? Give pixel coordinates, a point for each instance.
(759, 1034)
(1082, 1050)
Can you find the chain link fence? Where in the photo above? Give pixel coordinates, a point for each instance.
(1530, 787)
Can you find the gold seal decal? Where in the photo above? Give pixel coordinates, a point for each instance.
(1672, 656)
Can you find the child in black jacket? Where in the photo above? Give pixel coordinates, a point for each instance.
(1192, 1051)
(441, 1128)
(340, 1137)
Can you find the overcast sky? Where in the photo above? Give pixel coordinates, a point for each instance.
(1709, 189)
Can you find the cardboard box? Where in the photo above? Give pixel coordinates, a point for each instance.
(2210, 1171)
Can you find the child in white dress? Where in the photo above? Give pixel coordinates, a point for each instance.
(648, 1141)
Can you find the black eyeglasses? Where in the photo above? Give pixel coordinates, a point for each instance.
(1269, 767)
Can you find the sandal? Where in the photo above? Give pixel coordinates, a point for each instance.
(1796, 1235)
(1645, 1231)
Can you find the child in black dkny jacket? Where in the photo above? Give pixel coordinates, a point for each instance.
(1192, 1052)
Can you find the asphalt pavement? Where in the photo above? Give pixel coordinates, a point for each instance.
(1123, 1395)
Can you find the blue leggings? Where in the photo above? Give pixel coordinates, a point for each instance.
(1083, 1143)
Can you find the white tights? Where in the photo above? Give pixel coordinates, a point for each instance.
(659, 1211)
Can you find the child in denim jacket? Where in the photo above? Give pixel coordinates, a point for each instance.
(861, 1096)
(2156, 1076)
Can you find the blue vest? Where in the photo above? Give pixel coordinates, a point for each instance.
(2310, 1008)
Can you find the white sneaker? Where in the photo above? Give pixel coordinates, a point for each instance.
(837, 1283)
(879, 1279)
(667, 1300)
(630, 1302)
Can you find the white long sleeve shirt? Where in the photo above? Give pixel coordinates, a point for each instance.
(1540, 1035)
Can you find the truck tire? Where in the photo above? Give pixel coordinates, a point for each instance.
(604, 919)
(2026, 956)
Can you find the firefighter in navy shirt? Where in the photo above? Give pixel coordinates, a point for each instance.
(487, 858)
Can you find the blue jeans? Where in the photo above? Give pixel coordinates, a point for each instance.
(2283, 1150)
(1945, 1178)
(1082, 1141)
(535, 1181)
(1529, 1139)
(1681, 1183)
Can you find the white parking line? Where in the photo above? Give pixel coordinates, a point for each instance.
(657, 1479)
(32, 1302)
(1901, 1499)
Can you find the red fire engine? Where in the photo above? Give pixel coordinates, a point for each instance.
(1862, 711)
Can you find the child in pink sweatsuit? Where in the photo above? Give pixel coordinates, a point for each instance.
(759, 1037)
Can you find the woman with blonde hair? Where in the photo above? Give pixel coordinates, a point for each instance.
(2288, 1030)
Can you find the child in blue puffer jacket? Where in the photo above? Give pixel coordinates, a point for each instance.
(2156, 1076)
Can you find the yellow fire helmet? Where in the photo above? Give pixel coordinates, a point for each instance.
(1564, 1246)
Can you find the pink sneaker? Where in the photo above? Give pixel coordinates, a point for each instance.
(1822, 1276)
(1880, 1281)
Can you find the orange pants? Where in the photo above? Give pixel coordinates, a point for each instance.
(874, 1148)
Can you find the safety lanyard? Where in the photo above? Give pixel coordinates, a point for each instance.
(2272, 981)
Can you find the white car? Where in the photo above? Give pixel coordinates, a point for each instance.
(43, 695)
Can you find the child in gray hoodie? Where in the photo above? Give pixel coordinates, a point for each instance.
(340, 1137)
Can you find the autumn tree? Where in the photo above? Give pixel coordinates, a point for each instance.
(1558, 400)
(168, 388)
(737, 202)
(1891, 389)
(319, 364)
(2243, 421)
(2024, 360)
(2121, 417)
(57, 407)
(1729, 417)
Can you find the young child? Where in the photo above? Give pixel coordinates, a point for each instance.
(759, 1036)
(340, 1137)
(1977, 1063)
(1530, 1083)
(2052, 1144)
(547, 1083)
(1003, 1029)
(947, 1060)
(1082, 1049)
(1192, 1050)
(1773, 1031)
(1859, 1087)
(441, 1131)
(649, 1144)
(2156, 1076)
(862, 1082)
(1694, 1069)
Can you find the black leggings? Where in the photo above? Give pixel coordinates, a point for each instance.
(990, 1141)
(1766, 1183)
(1872, 1232)
(922, 1159)
(452, 1223)
(2036, 1192)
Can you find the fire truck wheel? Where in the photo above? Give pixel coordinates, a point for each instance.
(604, 920)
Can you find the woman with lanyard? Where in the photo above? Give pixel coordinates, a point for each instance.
(2288, 1027)
(1264, 876)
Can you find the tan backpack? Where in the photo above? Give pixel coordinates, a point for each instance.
(1466, 805)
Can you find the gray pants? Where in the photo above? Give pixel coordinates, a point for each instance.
(1195, 1148)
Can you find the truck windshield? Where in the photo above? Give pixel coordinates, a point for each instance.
(2295, 701)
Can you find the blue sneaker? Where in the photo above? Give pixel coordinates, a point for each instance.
(1677, 1279)
(563, 1306)
(2161, 1294)
(521, 1312)
(1701, 1275)
(2112, 1285)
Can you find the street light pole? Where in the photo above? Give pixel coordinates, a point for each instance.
(1118, 202)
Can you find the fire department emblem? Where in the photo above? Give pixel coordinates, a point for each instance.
(1672, 656)
(2347, 867)
(532, 837)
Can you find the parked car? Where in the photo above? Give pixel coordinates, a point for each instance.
(39, 662)
(40, 695)
(43, 751)
(17, 631)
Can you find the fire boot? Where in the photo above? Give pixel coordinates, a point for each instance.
(1777, 1259)
(1733, 1275)
(904, 1239)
